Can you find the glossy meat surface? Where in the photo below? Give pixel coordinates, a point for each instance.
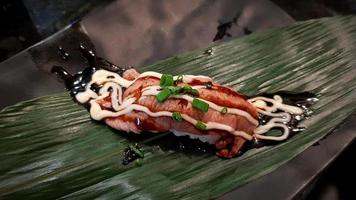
(227, 144)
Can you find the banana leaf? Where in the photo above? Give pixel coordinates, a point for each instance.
(50, 148)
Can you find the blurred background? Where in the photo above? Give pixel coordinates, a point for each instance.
(26, 22)
(35, 34)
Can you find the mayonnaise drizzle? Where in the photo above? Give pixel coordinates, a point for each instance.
(113, 84)
(278, 119)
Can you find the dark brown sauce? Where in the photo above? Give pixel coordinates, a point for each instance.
(124, 118)
(225, 102)
(77, 83)
(143, 83)
(220, 88)
(183, 103)
(64, 55)
(146, 125)
(137, 93)
(208, 85)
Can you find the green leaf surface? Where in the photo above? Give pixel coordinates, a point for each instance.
(49, 147)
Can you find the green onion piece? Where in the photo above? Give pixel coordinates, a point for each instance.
(200, 125)
(177, 116)
(223, 111)
(190, 90)
(135, 148)
(200, 105)
(138, 162)
(194, 92)
(179, 78)
(187, 88)
(176, 90)
(166, 80)
(163, 95)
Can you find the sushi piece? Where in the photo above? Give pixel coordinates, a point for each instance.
(191, 105)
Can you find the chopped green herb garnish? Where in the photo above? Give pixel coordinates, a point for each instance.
(189, 90)
(200, 105)
(193, 92)
(136, 150)
(163, 95)
(176, 90)
(200, 125)
(179, 78)
(138, 162)
(166, 80)
(131, 153)
(223, 111)
(177, 116)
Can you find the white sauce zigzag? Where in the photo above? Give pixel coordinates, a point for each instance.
(278, 119)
